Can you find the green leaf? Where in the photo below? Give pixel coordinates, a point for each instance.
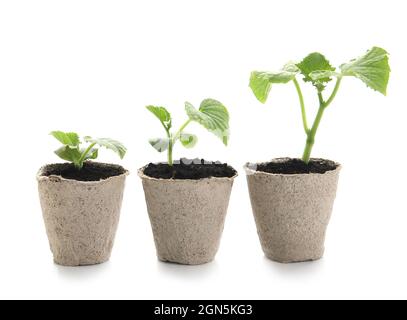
(260, 86)
(188, 140)
(92, 154)
(260, 82)
(315, 62)
(213, 115)
(162, 114)
(291, 67)
(372, 68)
(66, 138)
(69, 154)
(321, 74)
(108, 143)
(160, 144)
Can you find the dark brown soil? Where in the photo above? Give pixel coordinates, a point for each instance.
(91, 171)
(189, 169)
(297, 166)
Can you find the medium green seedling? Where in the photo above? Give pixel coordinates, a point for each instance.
(372, 68)
(76, 151)
(211, 114)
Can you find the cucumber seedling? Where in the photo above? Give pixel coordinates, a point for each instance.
(211, 114)
(372, 68)
(74, 150)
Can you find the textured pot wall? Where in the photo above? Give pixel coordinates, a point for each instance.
(81, 218)
(187, 217)
(292, 212)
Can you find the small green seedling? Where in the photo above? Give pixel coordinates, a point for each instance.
(212, 115)
(73, 151)
(372, 68)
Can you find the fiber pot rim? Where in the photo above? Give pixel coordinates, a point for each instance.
(251, 171)
(141, 174)
(41, 177)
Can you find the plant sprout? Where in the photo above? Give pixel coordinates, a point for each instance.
(211, 114)
(73, 151)
(372, 68)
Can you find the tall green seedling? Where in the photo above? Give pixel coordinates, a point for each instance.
(211, 114)
(372, 68)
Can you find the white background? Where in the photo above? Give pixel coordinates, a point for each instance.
(92, 66)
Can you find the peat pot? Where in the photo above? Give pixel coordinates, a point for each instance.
(187, 215)
(292, 205)
(81, 210)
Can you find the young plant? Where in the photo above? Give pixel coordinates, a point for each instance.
(211, 114)
(73, 151)
(372, 68)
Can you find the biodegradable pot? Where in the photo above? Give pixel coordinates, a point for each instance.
(81, 217)
(292, 212)
(187, 216)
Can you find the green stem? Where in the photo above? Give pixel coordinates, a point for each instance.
(170, 147)
(320, 99)
(172, 140)
(334, 92)
(311, 134)
(303, 111)
(84, 154)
